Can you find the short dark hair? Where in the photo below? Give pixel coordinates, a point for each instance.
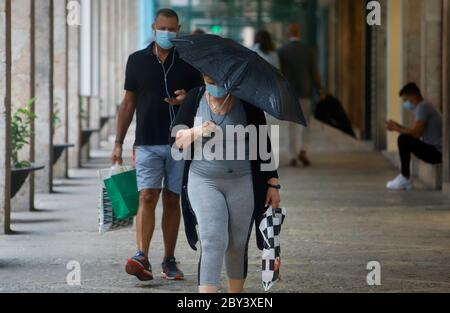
(410, 89)
(167, 13)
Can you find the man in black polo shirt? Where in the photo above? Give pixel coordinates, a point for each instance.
(156, 83)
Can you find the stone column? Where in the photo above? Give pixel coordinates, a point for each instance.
(394, 77)
(60, 83)
(73, 87)
(21, 93)
(431, 74)
(43, 53)
(446, 95)
(412, 33)
(113, 52)
(413, 11)
(105, 34)
(133, 27)
(350, 56)
(94, 105)
(118, 55)
(5, 115)
(125, 8)
(431, 43)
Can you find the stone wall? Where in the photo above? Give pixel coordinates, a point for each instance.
(44, 62)
(5, 117)
(21, 73)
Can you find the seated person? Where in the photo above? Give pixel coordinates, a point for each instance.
(424, 139)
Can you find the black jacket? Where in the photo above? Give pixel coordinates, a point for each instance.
(255, 116)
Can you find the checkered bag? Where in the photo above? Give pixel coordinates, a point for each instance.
(270, 228)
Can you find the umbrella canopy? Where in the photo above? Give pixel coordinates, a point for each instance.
(331, 112)
(243, 73)
(270, 228)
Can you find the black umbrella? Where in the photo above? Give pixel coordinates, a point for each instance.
(331, 112)
(243, 73)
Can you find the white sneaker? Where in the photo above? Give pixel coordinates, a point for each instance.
(400, 183)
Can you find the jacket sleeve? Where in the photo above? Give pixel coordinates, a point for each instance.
(258, 118)
(186, 113)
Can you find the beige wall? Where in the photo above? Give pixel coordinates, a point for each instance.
(394, 66)
(349, 79)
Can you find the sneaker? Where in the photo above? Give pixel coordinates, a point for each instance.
(171, 270)
(400, 183)
(140, 267)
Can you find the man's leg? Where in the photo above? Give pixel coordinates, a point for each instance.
(408, 145)
(145, 219)
(173, 180)
(170, 221)
(150, 172)
(404, 148)
(139, 265)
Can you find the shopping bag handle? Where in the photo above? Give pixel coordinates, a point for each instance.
(117, 169)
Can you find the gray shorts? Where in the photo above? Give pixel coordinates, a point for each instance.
(155, 164)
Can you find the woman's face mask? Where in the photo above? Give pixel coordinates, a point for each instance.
(408, 105)
(216, 91)
(162, 38)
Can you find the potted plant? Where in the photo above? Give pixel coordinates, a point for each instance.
(20, 137)
(58, 149)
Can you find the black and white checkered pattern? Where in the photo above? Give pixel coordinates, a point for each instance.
(270, 228)
(106, 219)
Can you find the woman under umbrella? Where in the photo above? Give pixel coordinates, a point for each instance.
(224, 196)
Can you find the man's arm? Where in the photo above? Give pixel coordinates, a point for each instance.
(416, 131)
(124, 119)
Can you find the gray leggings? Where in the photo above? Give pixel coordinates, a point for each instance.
(224, 211)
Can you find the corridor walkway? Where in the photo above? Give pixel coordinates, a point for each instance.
(340, 218)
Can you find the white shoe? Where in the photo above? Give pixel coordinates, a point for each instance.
(400, 183)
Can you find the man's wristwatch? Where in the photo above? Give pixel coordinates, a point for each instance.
(278, 187)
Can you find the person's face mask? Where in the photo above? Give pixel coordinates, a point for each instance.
(216, 91)
(162, 38)
(408, 105)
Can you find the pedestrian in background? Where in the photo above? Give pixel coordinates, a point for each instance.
(265, 47)
(298, 62)
(423, 139)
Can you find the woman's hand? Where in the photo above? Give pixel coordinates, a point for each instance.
(204, 130)
(186, 137)
(273, 195)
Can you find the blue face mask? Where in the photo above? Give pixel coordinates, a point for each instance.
(163, 37)
(216, 91)
(408, 105)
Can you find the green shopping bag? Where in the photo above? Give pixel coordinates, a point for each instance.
(123, 194)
